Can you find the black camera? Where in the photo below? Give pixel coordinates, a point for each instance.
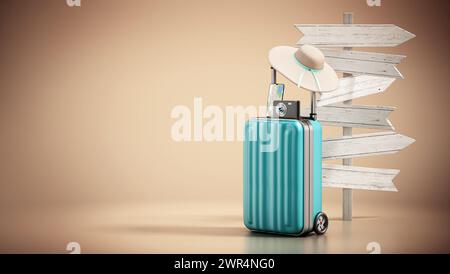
(286, 109)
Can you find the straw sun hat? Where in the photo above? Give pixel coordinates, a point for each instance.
(305, 67)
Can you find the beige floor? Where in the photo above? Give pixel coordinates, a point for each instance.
(213, 228)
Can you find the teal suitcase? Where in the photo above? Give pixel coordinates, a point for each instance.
(283, 176)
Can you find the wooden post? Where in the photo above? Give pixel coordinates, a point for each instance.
(347, 131)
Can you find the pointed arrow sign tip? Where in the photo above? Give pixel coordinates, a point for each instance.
(353, 35)
(364, 145)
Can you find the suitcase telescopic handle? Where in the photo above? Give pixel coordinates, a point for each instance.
(313, 114)
(274, 76)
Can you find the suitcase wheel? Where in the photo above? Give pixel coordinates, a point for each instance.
(321, 223)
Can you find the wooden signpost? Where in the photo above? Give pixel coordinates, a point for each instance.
(352, 177)
(355, 116)
(362, 145)
(347, 193)
(364, 63)
(365, 73)
(364, 56)
(355, 87)
(353, 35)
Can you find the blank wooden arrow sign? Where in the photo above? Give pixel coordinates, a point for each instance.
(358, 177)
(355, 87)
(353, 35)
(355, 62)
(355, 116)
(364, 56)
(364, 145)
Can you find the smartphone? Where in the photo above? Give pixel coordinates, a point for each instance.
(276, 93)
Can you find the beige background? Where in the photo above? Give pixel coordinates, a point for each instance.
(86, 95)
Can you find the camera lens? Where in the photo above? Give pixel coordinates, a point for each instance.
(281, 110)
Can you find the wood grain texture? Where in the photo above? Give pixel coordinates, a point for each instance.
(363, 62)
(347, 194)
(364, 145)
(355, 116)
(353, 35)
(364, 56)
(352, 177)
(355, 87)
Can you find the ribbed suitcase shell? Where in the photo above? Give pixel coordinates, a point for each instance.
(273, 175)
